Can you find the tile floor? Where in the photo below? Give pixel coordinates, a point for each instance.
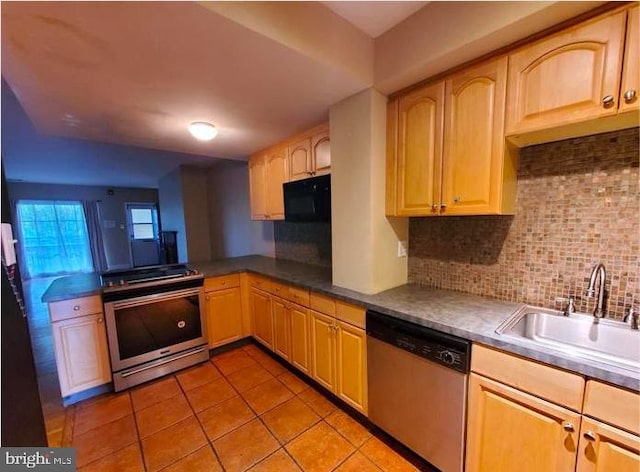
(241, 411)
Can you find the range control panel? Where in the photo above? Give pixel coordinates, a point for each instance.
(444, 349)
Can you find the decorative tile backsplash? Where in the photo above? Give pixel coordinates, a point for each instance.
(303, 242)
(578, 202)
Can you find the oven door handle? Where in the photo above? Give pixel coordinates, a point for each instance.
(156, 297)
(127, 373)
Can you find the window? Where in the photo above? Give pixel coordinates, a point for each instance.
(53, 238)
(143, 221)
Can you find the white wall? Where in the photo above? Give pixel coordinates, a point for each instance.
(231, 230)
(364, 241)
(172, 209)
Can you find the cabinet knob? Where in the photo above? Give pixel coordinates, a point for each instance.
(590, 435)
(434, 208)
(99, 320)
(456, 199)
(629, 95)
(568, 426)
(608, 100)
(443, 207)
(76, 307)
(207, 298)
(224, 283)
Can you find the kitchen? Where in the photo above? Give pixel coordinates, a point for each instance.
(575, 204)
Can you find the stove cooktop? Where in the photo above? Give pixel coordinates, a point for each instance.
(147, 276)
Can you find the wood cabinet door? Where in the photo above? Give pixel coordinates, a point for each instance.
(474, 140)
(323, 350)
(630, 87)
(281, 328)
(321, 153)
(300, 352)
(276, 170)
(604, 448)
(82, 355)
(351, 362)
(258, 187)
(262, 317)
(419, 153)
(564, 78)
(300, 160)
(508, 430)
(224, 316)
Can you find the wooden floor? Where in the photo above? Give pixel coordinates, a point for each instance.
(43, 353)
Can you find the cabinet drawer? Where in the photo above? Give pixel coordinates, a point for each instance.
(351, 314)
(299, 296)
(260, 282)
(613, 405)
(67, 309)
(280, 290)
(558, 386)
(322, 304)
(219, 283)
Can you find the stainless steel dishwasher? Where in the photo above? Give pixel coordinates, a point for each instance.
(418, 388)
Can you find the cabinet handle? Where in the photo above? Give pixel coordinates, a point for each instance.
(590, 435)
(207, 298)
(568, 426)
(224, 283)
(608, 100)
(76, 307)
(456, 199)
(443, 207)
(629, 95)
(434, 208)
(99, 320)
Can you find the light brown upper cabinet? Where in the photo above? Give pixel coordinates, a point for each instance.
(630, 88)
(267, 173)
(310, 155)
(559, 85)
(446, 153)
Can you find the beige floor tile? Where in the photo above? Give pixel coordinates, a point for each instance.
(172, 443)
(357, 463)
(106, 410)
(293, 382)
(128, 459)
(385, 457)
(267, 395)
(198, 375)
(210, 394)
(225, 417)
(319, 449)
(202, 460)
(279, 461)
(161, 415)
(317, 402)
(290, 419)
(355, 433)
(249, 377)
(245, 446)
(154, 392)
(104, 440)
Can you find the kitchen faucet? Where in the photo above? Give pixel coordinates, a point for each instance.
(598, 269)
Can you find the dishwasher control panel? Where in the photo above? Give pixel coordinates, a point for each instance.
(444, 349)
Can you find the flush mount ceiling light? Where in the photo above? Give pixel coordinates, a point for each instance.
(203, 131)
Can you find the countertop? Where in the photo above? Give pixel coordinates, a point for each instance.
(468, 316)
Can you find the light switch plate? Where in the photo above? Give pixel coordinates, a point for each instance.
(402, 248)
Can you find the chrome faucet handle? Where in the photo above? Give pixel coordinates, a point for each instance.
(571, 304)
(633, 318)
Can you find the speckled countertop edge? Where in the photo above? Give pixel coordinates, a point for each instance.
(468, 316)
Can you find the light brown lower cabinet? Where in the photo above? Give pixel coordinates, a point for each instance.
(509, 430)
(262, 317)
(300, 352)
(82, 355)
(224, 316)
(281, 327)
(604, 448)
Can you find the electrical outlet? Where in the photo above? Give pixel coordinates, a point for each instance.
(402, 248)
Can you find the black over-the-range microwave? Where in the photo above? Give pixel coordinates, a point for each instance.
(308, 199)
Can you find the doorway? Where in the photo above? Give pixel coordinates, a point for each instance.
(144, 234)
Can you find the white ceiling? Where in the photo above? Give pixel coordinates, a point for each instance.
(137, 73)
(375, 18)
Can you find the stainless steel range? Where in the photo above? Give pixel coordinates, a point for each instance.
(154, 322)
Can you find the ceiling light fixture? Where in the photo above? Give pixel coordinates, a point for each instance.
(203, 131)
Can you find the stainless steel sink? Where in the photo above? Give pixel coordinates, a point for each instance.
(608, 341)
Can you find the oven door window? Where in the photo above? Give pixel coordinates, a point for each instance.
(145, 328)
